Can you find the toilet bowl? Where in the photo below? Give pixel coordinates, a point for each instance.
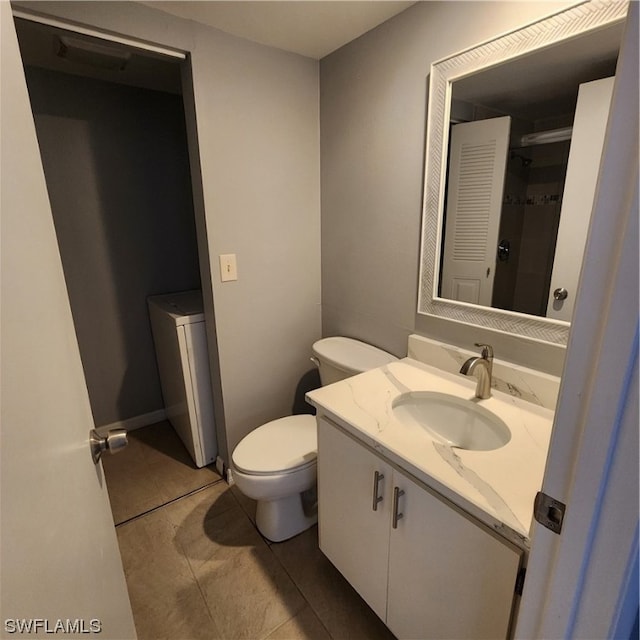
(275, 464)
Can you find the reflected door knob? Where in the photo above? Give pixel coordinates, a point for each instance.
(560, 293)
(504, 249)
(115, 441)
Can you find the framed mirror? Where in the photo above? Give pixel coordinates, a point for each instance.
(508, 195)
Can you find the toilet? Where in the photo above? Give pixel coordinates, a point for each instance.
(275, 464)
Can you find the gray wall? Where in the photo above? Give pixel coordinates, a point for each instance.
(117, 170)
(373, 115)
(257, 119)
(258, 127)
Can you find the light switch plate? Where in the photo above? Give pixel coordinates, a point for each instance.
(228, 267)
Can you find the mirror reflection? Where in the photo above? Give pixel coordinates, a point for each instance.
(525, 142)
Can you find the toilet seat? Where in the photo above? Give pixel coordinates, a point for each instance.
(282, 446)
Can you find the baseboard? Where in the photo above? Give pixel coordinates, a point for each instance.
(136, 422)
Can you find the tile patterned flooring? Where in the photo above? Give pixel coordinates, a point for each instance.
(196, 566)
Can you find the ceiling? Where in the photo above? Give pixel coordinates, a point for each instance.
(523, 88)
(309, 28)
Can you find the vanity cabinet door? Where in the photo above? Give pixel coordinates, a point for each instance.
(448, 576)
(352, 535)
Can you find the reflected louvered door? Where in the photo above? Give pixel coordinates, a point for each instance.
(477, 165)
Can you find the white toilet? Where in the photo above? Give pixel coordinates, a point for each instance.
(275, 464)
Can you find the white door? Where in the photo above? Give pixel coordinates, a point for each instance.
(353, 535)
(587, 141)
(581, 583)
(448, 576)
(478, 161)
(61, 567)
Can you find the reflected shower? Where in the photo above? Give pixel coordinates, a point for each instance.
(525, 161)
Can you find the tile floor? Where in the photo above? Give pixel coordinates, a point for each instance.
(196, 566)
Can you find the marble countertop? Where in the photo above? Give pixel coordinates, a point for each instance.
(497, 487)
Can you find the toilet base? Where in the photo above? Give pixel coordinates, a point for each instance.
(281, 519)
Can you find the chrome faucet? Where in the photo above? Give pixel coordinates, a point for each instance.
(482, 367)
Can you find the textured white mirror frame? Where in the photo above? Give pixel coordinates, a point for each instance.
(569, 23)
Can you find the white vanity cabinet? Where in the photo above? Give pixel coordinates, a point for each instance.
(352, 535)
(430, 571)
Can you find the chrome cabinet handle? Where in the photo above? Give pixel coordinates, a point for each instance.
(376, 483)
(397, 492)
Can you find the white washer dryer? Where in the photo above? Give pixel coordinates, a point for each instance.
(179, 334)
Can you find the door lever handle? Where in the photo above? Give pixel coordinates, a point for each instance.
(115, 441)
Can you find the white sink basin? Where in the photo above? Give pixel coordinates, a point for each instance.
(452, 420)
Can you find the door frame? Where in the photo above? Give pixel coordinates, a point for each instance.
(197, 189)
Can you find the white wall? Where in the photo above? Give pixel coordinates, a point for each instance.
(257, 120)
(373, 117)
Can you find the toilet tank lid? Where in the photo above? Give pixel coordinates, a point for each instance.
(351, 354)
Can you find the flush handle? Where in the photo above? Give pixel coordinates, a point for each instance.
(377, 477)
(115, 441)
(397, 493)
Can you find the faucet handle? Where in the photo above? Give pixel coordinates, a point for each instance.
(487, 350)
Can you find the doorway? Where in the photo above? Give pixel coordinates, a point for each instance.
(112, 132)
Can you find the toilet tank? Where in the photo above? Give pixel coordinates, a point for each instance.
(338, 358)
